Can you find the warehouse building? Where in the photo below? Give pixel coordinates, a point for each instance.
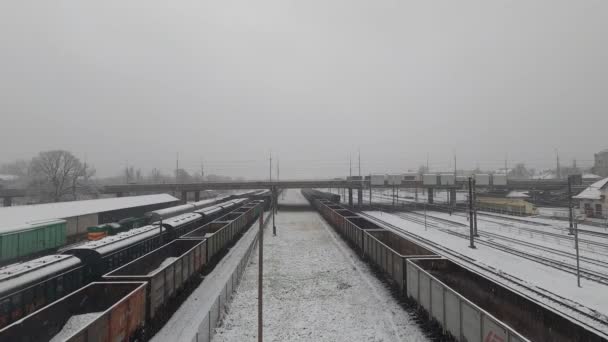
(78, 215)
(593, 201)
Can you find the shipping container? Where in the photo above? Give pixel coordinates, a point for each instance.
(378, 179)
(100, 312)
(31, 239)
(447, 179)
(482, 179)
(429, 179)
(499, 180)
(411, 177)
(394, 179)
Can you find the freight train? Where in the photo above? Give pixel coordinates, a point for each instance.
(335, 198)
(107, 229)
(464, 304)
(134, 299)
(28, 286)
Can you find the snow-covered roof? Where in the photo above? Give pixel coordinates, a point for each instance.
(594, 191)
(20, 217)
(591, 176)
(518, 194)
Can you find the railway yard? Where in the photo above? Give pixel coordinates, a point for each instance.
(398, 270)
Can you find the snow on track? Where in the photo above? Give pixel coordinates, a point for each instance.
(315, 289)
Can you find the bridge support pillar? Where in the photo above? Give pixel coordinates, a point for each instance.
(185, 196)
(452, 197)
(430, 196)
(350, 196)
(119, 194)
(360, 197)
(197, 196)
(7, 201)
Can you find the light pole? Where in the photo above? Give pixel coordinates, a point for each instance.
(471, 233)
(260, 277)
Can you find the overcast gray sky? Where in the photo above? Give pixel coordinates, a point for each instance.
(229, 80)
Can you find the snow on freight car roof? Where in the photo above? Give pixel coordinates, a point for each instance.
(204, 203)
(118, 237)
(18, 275)
(182, 219)
(168, 212)
(13, 270)
(15, 218)
(594, 191)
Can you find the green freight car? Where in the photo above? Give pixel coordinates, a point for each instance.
(31, 239)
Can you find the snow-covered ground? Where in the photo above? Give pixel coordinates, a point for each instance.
(186, 321)
(315, 289)
(591, 297)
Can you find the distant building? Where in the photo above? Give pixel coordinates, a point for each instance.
(600, 167)
(593, 201)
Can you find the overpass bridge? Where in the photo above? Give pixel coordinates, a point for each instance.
(358, 185)
(350, 185)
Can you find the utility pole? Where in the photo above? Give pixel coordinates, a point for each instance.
(126, 172)
(202, 170)
(475, 209)
(558, 169)
(424, 215)
(427, 162)
(570, 214)
(370, 190)
(359, 162)
(455, 172)
(578, 268)
(275, 198)
(176, 165)
(350, 167)
(260, 277)
(471, 235)
(270, 166)
(574, 224)
(278, 170)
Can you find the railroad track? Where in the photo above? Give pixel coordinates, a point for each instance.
(565, 306)
(515, 219)
(592, 275)
(567, 238)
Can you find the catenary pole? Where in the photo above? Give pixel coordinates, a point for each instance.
(471, 233)
(570, 215)
(260, 278)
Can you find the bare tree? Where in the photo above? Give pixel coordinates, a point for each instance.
(59, 173)
(155, 176)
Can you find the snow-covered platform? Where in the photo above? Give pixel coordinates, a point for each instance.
(315, 289)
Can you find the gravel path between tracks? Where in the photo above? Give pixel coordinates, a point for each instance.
(315, 289)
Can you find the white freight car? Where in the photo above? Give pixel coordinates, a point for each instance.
(447, 179)
(499, 180)
(395, 179)
(429, 179)
(378, 179)
(482, 179)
